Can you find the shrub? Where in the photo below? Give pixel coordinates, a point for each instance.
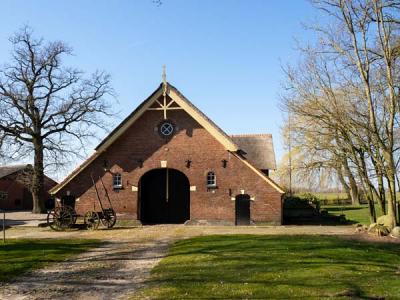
(307, 201)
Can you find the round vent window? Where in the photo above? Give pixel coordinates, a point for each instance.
(166, 129)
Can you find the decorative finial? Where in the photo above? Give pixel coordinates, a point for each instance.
(164, 75)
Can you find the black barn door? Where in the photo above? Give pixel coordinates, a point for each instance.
(242, 208)
(164, 197)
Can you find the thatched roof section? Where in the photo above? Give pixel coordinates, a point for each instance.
(11, 169)
(259, 149)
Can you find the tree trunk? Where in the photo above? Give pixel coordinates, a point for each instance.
(371, 206)
(368, 187)
(355, 195)
(391, 208)
(390, 172)
(343, 182)
(37, 187)
(398, 182)
(382, 195)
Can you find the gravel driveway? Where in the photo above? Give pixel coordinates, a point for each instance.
(113, 271)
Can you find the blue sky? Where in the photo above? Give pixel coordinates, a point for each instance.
(225, 56)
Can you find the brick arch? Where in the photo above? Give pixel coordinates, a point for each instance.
(163, 197)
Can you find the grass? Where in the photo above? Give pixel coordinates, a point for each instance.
(358, 214)
(330, 196)
(275, 267)
(22, 255)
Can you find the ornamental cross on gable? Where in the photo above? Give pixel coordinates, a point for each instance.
(164, 106)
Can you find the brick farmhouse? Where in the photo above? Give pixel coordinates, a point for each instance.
(14, 187)
(168, 163)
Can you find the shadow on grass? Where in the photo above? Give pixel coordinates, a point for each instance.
(278, 267)
(19, 256)
(345, 208)
(326, 219)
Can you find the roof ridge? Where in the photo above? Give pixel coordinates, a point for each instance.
(214, 129)
(7, 170)
(14, 166)
(251, 135)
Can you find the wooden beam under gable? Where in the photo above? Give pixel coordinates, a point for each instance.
(178, 102)
(109, 140)
(129, 122)
(229, 145)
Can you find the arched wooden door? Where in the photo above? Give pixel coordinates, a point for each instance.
(242, 210)
(164, 197)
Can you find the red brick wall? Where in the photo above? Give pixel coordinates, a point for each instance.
(15, 191)
(18, 190)
(191, 142)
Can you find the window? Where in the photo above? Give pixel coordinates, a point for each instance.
(211, 180)
(117, 181)
(166, 129)
(3, 196)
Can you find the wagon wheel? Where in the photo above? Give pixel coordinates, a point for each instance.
(109, 218)
(92, 220)
(52, 219)
(59, 218)
(66, 218)
(73, 213)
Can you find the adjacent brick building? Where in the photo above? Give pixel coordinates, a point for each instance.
(14, 187)
(168, 163)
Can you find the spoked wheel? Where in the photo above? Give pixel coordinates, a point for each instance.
(92, 220)
(60, 218)
(109, 218)
(52, 218)
(72, 212)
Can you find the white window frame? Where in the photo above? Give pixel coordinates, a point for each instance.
(211, 179)
(117, 181)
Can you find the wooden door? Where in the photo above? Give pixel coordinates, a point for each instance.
(242, 208)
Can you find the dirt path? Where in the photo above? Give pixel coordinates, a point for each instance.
(113, 271)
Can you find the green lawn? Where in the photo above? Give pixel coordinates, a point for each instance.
(330, 196)
(19, 256)
(275, 267)
(358, 214)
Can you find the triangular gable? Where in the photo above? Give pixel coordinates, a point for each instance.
(180, 101)
(151, 103)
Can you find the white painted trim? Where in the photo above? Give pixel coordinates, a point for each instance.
(226, 142)
(129, 123)
(229, 145)
(266, 178)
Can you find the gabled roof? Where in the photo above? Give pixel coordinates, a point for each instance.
(259, 149)
(11, 169)
(183, 103)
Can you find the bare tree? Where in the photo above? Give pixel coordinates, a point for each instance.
(47, 111)
(366, 42)
(346, 91)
